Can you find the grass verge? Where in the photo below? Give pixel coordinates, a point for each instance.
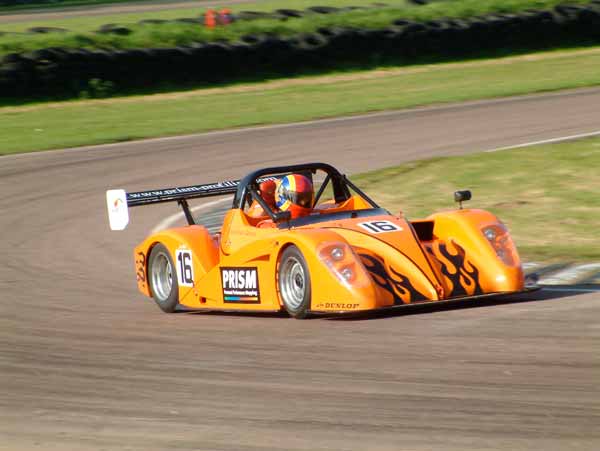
(547, 195)
(173, 34)
(75, 123)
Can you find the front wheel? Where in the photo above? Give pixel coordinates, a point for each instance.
(294, 282)
(163, 280)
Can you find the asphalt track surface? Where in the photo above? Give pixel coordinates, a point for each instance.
(87, 363)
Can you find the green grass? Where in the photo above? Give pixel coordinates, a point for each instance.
(75, 123)
(547, 195)
(166, 35)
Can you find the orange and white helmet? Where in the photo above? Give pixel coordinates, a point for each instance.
(295, 193)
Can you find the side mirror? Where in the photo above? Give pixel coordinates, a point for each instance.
(462, 196)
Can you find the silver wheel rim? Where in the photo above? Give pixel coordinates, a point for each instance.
(162, 277)
(293, 283)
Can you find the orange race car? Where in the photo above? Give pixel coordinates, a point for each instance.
(283, 246)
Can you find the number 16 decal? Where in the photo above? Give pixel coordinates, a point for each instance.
(380, 226)
(185, 268)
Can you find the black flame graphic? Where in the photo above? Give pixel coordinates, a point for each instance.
(398, 285)
(463, 275)
(140, 266)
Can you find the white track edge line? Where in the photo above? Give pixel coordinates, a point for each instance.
(546, 141)
(567, 290)
(173, 218)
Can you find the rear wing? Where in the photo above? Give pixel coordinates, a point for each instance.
(118, 201)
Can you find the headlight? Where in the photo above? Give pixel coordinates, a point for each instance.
(343, 263)
(490, 234)
(337, 253)
(498, 237)
(347, 273)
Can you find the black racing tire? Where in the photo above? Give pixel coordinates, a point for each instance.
(323, 9)
(293, 281)
(162, 278)
(289, 12)
(44, 30)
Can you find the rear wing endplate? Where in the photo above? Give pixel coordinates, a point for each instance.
(118, 201)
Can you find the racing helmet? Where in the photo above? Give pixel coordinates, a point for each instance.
(295, 193)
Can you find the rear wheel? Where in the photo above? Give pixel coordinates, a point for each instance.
(163, 280)
(294, 282)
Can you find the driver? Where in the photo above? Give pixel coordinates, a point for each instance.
(295, 193)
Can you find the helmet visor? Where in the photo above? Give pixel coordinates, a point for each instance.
(302, 199)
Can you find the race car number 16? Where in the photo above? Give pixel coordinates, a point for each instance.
(380, 226)
(185, 268)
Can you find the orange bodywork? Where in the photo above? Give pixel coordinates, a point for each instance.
(393, 261)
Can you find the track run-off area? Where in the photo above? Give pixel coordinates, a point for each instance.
(87, 363)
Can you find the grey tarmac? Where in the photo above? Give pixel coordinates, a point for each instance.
(87, 363)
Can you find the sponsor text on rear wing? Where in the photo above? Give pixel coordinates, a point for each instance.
(118, 201)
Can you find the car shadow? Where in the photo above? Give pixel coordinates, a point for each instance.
(547, 293)
(245, 314)
(541, 295)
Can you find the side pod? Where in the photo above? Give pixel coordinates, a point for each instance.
(474, 253)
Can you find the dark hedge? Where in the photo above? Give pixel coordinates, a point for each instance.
(67, 72)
